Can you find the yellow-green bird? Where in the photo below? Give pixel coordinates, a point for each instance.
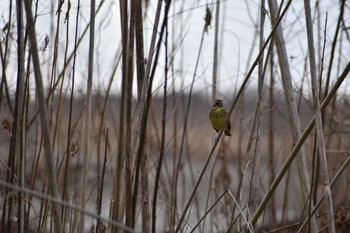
(218, 117)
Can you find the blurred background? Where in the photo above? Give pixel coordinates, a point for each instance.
(131, 146)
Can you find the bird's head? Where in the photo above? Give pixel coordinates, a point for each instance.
(218, 103)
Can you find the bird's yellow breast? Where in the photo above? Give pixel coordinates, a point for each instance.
(217, 117)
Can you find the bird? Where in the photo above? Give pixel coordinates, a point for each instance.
(217, 117)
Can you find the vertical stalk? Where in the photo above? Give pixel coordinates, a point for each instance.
(140, 57)
(88, 113)
(162, 146)
(100, 188)
(291, 104)
(117, 213)
(271, 130)
(7, 206)
(67, 153)
(44, 124)
(74, 226)
(261, 75)
(19, 116)
(128, 115)
(318, 117)
(141, 80)
(172, 213)
(216, 39)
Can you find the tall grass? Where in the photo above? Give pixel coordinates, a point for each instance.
(139, 154)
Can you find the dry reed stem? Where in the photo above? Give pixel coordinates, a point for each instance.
(216, 41)
(100, 192)
(82, 198)
(256, 126)
(140, 57)
(271, 134)
(172, 213)
(19, 118)
(162, 146)
(74, 225)
(318, 118)
(119, 205)
(44, 124)
(129, 72)
(58, 115)
(140, 68)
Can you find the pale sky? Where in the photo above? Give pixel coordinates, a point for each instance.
(186, 20)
